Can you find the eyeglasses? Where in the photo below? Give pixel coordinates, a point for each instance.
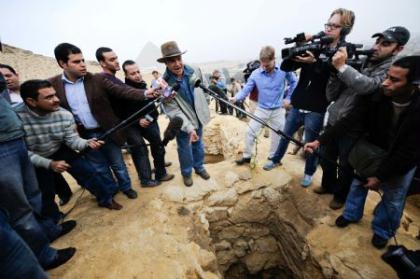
(332, 26)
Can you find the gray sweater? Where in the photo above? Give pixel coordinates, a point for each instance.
(343, 88)
(45, 134)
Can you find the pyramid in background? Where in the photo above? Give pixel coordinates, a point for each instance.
(147, 57)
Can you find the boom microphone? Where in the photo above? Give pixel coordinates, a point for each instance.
(172, 130)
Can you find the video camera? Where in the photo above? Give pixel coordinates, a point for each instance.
(317, 44)
(354, 51)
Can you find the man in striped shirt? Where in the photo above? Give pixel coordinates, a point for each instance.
(50, 134)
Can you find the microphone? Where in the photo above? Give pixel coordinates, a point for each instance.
(172, 130)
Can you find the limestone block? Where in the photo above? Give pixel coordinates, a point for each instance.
(214, 214)
(222, 245)
(223, 198)
(230, 178)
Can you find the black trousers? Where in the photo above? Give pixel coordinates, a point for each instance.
(337, 180)
(139, 152)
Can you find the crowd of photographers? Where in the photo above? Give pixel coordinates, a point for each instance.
(359, 111)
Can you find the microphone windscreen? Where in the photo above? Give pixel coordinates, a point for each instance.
(172, 130)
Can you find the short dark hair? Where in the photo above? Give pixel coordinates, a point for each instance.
(4, 66)
(155, 72)
(30, 88)
(127, 63)
(63, 50)
(412, 64)
(100, 53)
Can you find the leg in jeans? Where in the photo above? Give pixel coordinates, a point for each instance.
(253, 130)
(18, 186)
(276, 119)
(116, 161)
(62, 188)
(390, 209)
(329, 153)
(17, 259)
(345, 172)
(355, 203)
(101, 160)
(46, 184)
(293, 122)
(152, 134)
(86, 175)
(198, 151)
(139, 153)
(185, 155)
(313, 125)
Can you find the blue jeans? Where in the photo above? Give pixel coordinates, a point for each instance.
(109, 156)
(80, 169)
(16, 259)
(21, 198)
(312, 122)
(390, 209)
(190, 155)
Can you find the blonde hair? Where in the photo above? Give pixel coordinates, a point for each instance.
(267, 53)
(347, 18)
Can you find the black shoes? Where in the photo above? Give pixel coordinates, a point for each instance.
(379, 242)
(243, 161)
(63, 255)
(342, 222)
(131, 194)
(187, 180)
(150, 183)
(203, 174)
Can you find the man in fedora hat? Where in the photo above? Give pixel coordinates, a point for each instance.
(191, 105)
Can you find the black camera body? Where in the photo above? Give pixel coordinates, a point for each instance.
(317, 45)
(405, 262)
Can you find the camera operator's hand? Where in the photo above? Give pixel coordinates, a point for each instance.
(193, 136)
(308, 58)
(340, 57)
(144, 123)
(152, 93)
(311, 146)
(95, 143)
(59, 166)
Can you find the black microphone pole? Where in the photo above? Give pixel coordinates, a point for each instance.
(264, 123)
(130, 120)
(250, 115)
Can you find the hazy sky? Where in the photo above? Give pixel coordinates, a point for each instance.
(209, 30)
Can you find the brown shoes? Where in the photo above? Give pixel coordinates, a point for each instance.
(113, 205)
(167, 177)
(203, 174)
(187, 180)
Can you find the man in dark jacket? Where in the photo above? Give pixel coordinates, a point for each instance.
(342, 89)
(147, 128)
(390, 117)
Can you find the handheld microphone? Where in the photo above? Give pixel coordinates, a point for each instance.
(172, 130)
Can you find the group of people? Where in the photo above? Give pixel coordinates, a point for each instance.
(59, 124)
(55, 125)
(375, 107)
